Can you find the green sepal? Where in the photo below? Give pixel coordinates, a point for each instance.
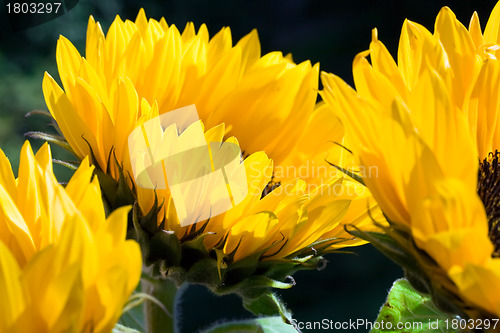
(253, 286)
(351, 174)
(52, 138)
(389, 247)
(176, 274)
(204, 272)
(70, 165)
(47, 114)
(138, 234)
(165, 246)
(406, 305)
(159, 248)
(240, 270)
(117, 193)
(196, 243)
(188, 260)
(450, 303)
(268, 304)
(149, 222)
(321, 246)
(193, 251)
(124, 195)
(108, 186)
(259, 325)
(39, 113)
(123, 329)
(286, 268)
(421, 283)
(422, 271)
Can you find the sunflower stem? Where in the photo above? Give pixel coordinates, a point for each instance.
(160, 316)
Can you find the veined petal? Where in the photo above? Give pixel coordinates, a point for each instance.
(248, 234)
(415, 42)
(383, 62)
(370, 83)
(61, 109)
(475, 30)
(14, 302)
(390, 194)
(54, 252)
(459, 49)
(476, 283)
(483, 108)
(6, 176)
(218, 45)
(250, 46)
(94, 44)
(68, 62)
(492, 30)
(439, 124)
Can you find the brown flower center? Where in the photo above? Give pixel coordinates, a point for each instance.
(488, 188)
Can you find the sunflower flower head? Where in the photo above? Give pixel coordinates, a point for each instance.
(289, 204)
(429, 122)
(488, 189)
(65, 267)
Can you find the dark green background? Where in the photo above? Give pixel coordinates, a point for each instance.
(330, 32)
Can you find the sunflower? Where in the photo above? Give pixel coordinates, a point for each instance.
(265, 105)
(64, 266)
(430, 124)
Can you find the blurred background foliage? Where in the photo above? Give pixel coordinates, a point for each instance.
(353, 285)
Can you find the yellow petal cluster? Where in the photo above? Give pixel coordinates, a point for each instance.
(267, 104)
(137, 64)
(425, 122)
(64, 267)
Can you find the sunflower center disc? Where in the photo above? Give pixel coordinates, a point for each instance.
(488, 189)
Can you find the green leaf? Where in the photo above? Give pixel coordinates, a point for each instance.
(259, 325)
(267, 304)
(413, 311)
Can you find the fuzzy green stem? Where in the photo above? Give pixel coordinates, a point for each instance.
(161, 316)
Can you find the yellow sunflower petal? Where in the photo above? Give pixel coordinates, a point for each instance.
(14, 302)
(492, 30)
